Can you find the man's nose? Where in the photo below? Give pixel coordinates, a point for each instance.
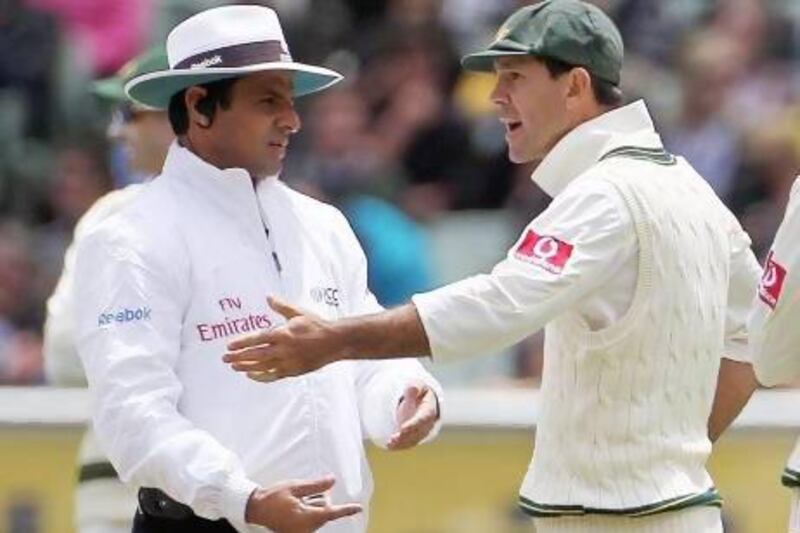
(499, 95)
(290, 120)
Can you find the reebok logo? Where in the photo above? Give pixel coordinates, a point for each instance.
(124, 315)
(207, 62)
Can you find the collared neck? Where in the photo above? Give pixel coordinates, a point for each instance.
(582, 147)
(183, 160)
(206, 178)
(228, 191)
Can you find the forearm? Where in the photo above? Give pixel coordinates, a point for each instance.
(152, 445)
(391, 334)
(735, 384)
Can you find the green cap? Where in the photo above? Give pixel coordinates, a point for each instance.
(575, 32)
(113, 88)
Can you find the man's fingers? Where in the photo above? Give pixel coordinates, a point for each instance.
(412, 393)
(262, 376)
(252, 353)
(335, 512)
(286, 310)
(413, 430)
(253, 340)
(409, 437)
(255, 362)
(301, 489)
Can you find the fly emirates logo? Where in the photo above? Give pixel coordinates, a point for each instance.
(234, 325)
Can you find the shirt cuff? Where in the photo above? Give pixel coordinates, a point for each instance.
(233, 500)
(737, 350)
(429, 307)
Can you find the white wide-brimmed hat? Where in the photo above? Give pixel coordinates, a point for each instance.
(226, 42)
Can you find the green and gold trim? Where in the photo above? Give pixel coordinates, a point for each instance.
(790, 478)
(92, 471)
(710, 498)
(659, 156)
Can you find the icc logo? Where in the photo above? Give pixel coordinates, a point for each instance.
(326, 295)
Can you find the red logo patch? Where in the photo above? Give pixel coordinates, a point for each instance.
(544, 251)
(769, 290)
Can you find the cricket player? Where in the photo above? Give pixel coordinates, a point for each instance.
(190, 263)
(103, 504)
(639, 274)
(774, 331)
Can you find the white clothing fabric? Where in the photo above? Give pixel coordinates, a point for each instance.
(581, 260)
(774, 318)
(102, 504)
(167, 283)
(603, 268)
(776, 308)
(794, 514)
(693, 520)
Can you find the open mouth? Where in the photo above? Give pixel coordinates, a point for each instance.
(511, 124)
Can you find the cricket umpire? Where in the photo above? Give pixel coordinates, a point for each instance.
(639, 274)
(774, 332)
(189, 264)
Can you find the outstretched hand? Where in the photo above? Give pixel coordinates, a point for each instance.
(303, 344)
(288, 507)
(416, 416)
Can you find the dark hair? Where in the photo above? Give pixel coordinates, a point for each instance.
(218, 94)
(605, 92)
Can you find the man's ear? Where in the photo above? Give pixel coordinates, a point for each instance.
(197, 108)
(579, 85)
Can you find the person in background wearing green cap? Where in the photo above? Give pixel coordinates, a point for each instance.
(103, 504)
(639, 274)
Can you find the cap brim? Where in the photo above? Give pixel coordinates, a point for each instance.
(484, 61)
(156, 88)
(109, 89)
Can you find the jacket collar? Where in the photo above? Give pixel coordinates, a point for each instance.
(230, 189)
(582, 147)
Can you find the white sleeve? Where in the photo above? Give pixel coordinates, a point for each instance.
(774, 324)
(62, 365)
(744, 275)
(128, 334)
(581, 240)
(379, 384)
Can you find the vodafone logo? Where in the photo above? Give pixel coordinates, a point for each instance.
(545, 248)
(544, 251)
(769, 290)
(770, 277)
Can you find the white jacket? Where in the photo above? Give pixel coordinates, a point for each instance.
(167, 283)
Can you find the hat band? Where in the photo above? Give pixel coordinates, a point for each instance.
(238, 55)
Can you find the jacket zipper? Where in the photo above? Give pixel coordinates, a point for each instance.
(273, 253)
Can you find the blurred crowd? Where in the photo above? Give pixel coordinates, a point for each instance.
(408, 142)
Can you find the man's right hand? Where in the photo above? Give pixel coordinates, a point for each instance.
(282, 508)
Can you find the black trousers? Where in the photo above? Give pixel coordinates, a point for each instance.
(143, 523)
